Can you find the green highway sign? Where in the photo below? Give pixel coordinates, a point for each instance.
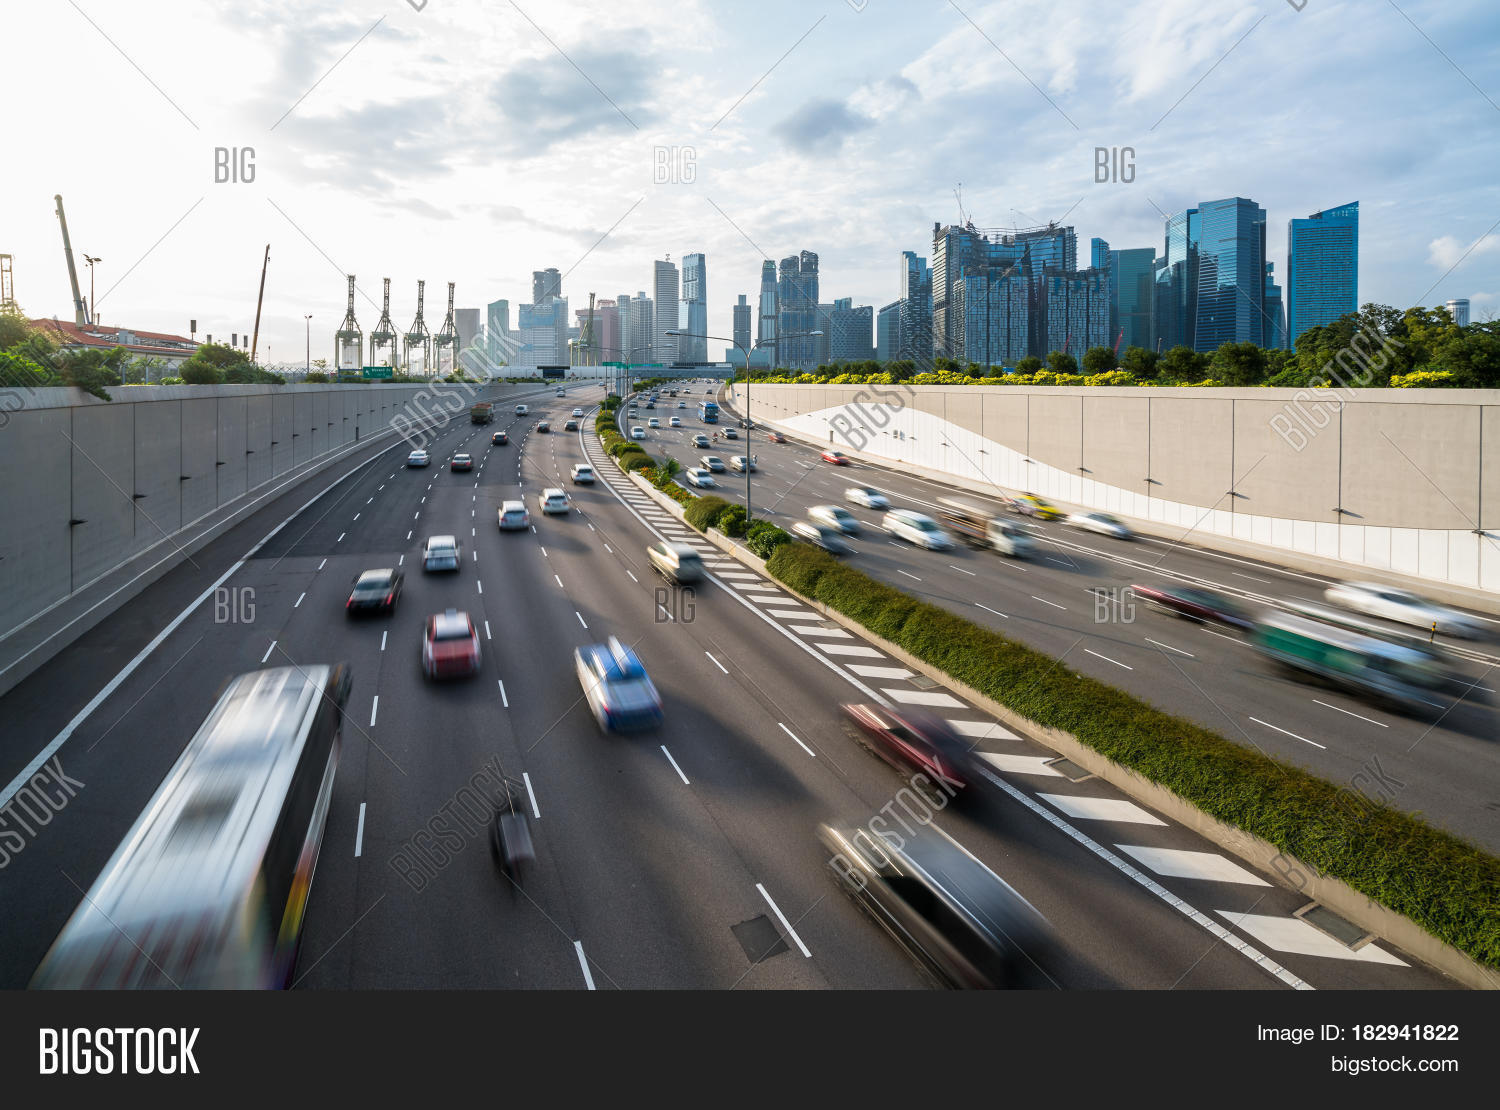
(378, 372)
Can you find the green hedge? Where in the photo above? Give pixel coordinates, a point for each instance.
(635, 460)
(1446, 885)
(763, 537)
(704, 511)
(732, 521)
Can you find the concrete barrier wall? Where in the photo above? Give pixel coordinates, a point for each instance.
(1397, 480)
(91, 485)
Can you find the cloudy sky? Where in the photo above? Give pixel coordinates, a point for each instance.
(454, 140)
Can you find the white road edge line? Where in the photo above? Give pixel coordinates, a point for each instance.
(785, 924)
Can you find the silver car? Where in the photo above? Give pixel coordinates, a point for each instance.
(836, 517)
(1404, 607)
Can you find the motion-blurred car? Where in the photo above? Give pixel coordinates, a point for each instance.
(553, 500)
(1204, 606)
(440, 553)
(1102, 524)
(730, 433)
(450, 645)
(741, 463)
(374, 591)
(461, 461)
(677, 562)
(543, 426)
(869, 498)
(418, 458)
(700, 440)
(582, 474)
(916, 528)
(499, 439)
(838, 458)
(1404, 607)
(571, 426)
(681, 404)
(522, 410)
(1029, 504)
(713, 463)
(956, 916)
(775, 437)
(697, 476)
(829, 539)
(513, 516)
(913, 739)
(836, 517)
(615, 684)
(637, 432)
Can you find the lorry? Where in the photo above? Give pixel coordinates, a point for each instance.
(482, 413)
(979, 528)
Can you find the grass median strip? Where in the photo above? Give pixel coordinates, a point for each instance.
(1445, 884)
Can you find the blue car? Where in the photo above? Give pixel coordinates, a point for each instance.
(619, 692)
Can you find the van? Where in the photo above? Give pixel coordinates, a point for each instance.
(676, 562)
(977, 528)
(522, 410)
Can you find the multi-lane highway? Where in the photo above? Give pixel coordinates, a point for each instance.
(685, 857)
(1071, 600)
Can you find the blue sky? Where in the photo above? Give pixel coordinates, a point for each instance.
(475, 142)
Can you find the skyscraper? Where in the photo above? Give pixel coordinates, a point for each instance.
(1131, 277)
(888, 331)
(497, 330)
(1231, 273)
(1458, 308)
(664, 285)
(961, 251)
(797, 311)
(765, 324)
(852, 338)
(995, 307)
(1075, 311)
(695, 295)
(545, 284)
(642, 344)
(914, 333)
(1102, 258)
(1275, 315)
(742, 323)
(467, 320)
(1322, 268)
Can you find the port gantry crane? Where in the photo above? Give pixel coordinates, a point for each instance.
(445, 341)
(349, 341)
(384, 345)
(418, 338)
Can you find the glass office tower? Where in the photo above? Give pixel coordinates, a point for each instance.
(1322, 268)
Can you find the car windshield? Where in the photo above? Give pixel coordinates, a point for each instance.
(442, 550)
(924, 524)
(447, 633)
(372, 585)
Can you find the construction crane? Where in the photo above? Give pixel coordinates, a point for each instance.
(418, 338)
(259, 300)
(958, 195)
(586, 337)
(446, 340)
(383, 340)
(80, 310)
(1117, 342)
(7, 285)
(349, 336)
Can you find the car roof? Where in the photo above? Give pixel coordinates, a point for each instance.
(450, 623)
(442, 541)
(582, 466)
(375, 575)
(553, 491)
(512, 506)
(613, 661)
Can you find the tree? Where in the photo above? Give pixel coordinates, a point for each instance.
(1060, 362)
(1238, 364)
(320, 363)
(210, 362)
(143, 370)
(1028, 365)
(1140, 362)
(1099, 360)
(1182, 364)
(15, 329)
(91, 369)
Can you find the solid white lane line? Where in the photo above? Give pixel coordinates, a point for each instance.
(715, 662)
(794, 736)
(1044, 601)
(1169, 647)
(530, 793)
(583, 962)
(1293, 735)
(1252, 577)
(676, 768)
(504, 701)
(298, 602)
(785, 924)
(359, 833)
(1107, 659)
(1372, 721)
(270, 649)
(374, 708)
(997, 612)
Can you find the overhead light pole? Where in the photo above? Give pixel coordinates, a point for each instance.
(90, 259)
(308, 369)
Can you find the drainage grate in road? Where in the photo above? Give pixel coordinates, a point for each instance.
(922, 682)
(759, 938)
(833, 625)
(1345, 932)
(1069, 770)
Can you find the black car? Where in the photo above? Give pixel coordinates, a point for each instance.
(957, 917)
(375, 591)
(543, 426)
(571, 426)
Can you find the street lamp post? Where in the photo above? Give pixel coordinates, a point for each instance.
(749, 424)
(308, 369)
(90, 259)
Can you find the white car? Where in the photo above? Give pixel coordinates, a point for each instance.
(675, 422)
(577, 412)
(440, 553)
(697, 476)
(553, 500)
(653, 423)
(513, 516)
(522, 410)
(917, 528)
(1404, 607)
(869, 498)
(418, 458)
(836, 517)
(638, 432)
(583, 474)
(1102, 523)
(682, 404)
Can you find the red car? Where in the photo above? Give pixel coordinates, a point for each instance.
(776, 437)
(450, 645)
(838, 458)
(499, 439)
(910, 739)
(1204, 606)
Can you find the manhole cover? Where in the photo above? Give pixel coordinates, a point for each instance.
(922, 682)
(1345, 932)
(832, 625)
(759, 938)
(1069, 770)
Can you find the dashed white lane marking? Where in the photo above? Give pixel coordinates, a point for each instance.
(850, 649)
(530, 793)
(913, 577)
(359, 832)
(1169, 647)
(676, 768)
(892, 673)
(997, 612)
(1293, 735)
(581, 621)
(1020, 764)
(356, 517)
(323, 564)
(383, 635)
(1351, 713)
(922, 697)
(1178, 864)
(983, 730)
(814, 630)
(1101, 809)
(298, 602)
(961, 570)
(716, 662)
(270, 649)
(1054, 604)
(794, 736)
(504, 701)
(583, 962)
(559, 580)
(374, 708)
(1107, 659)
(341, 537)
(785, 924)
(633, 578)
(1292, 934)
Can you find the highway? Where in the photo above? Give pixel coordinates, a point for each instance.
(1070, 600)
(685, 857)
